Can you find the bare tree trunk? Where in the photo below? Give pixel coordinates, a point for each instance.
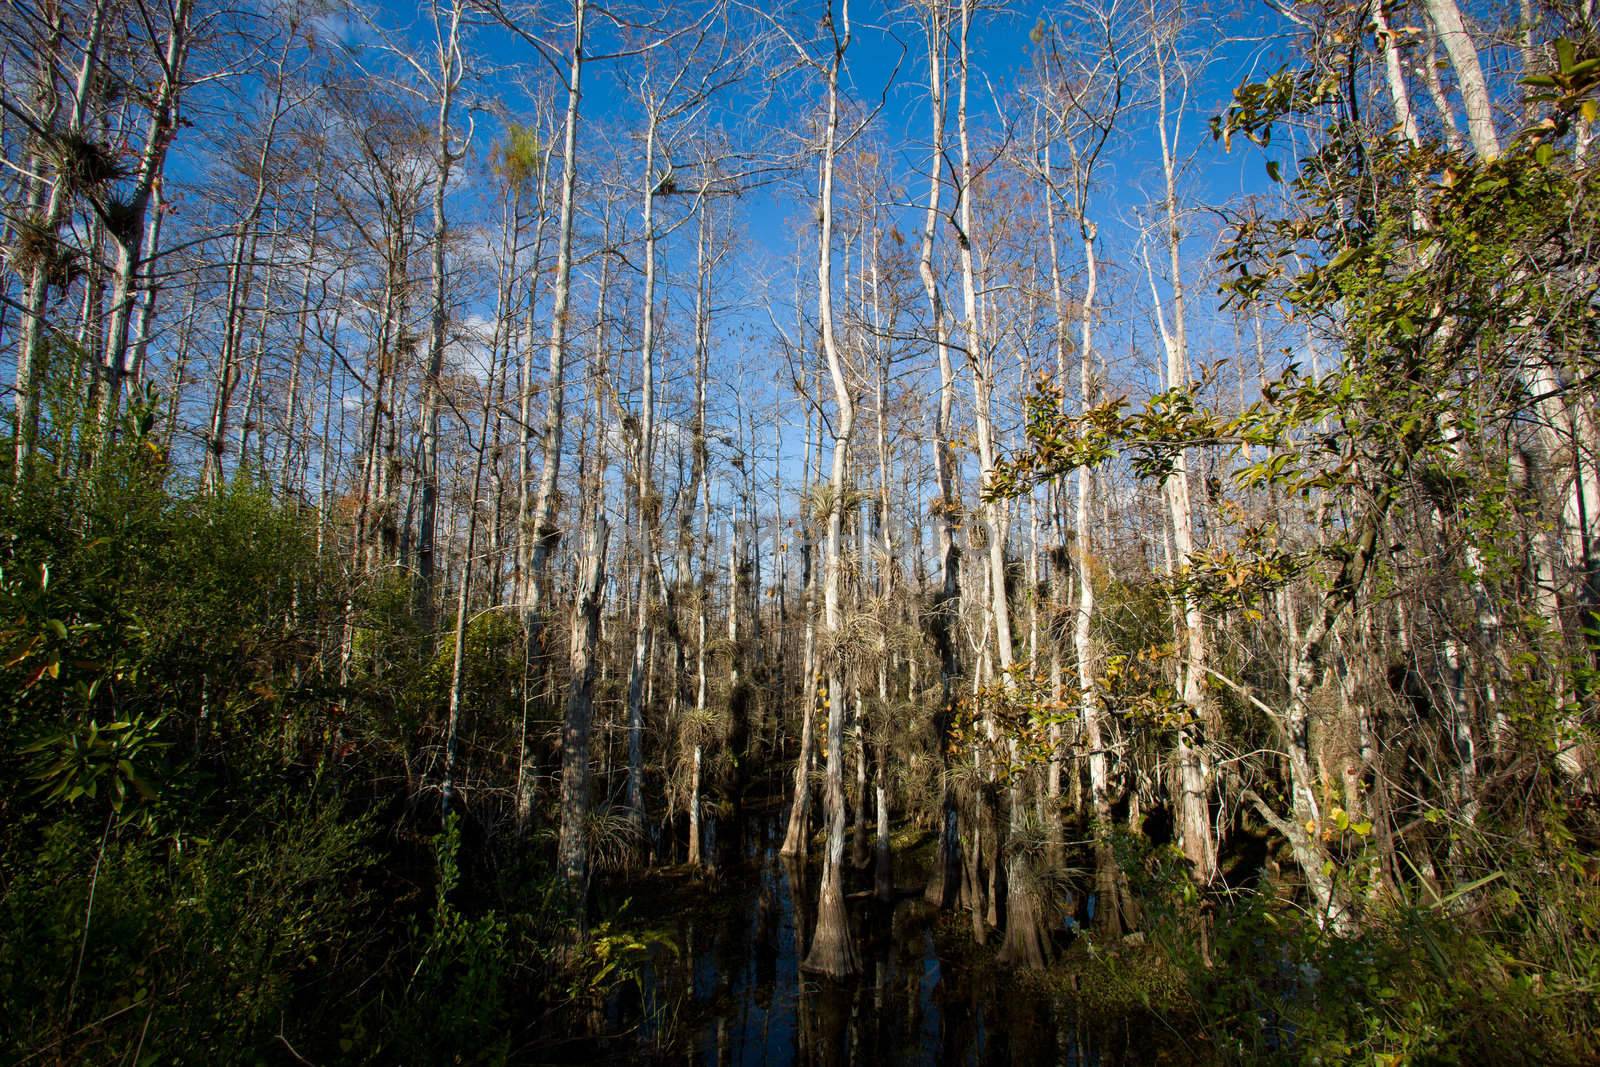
(1394, 73)
(129, 235)
(241, 268)
(1192, 807)
(525, 536)
(648, 506)
(1022, 916)
(703, 623)
(1108, 878)
(1475, 98)
(448, 53)
(144, 316)
(256, 384)
(694, 805)
(545, 531)
(944, 882)
(57, 203)
(463, 595)
(572, 849)
(980, 361)
(291, 403)
(1059, 560)
(699, 483)
(798, 832)
(883, 859)
(833, 951)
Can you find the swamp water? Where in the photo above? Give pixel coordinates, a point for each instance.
(734, 994)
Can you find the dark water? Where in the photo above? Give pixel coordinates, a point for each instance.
(736, 994)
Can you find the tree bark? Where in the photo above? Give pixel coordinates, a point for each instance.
(572, 847)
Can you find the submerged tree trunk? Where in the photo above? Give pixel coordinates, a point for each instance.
(944, 882)
(833, 951)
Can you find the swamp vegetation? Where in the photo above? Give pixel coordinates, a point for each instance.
(947, 533)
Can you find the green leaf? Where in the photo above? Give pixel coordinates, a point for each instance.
(1462, 891)
(1344, 257)
(1566, 53)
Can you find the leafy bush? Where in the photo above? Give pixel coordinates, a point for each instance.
(194, 948)
(1475, 976)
